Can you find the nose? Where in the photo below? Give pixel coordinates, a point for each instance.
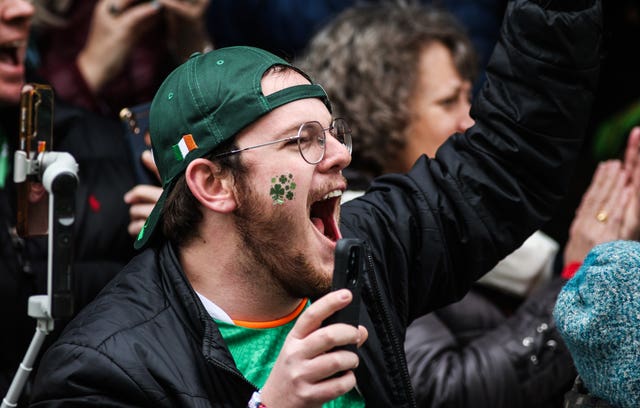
(11, 10)
(464, 119)
(336, 156)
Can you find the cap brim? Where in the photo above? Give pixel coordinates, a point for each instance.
(149, 228)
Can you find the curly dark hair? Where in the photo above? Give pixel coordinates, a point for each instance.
(367, 61)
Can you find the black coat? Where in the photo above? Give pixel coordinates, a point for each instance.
(102, 245)
(472, 353)
(580, 397)
(147, 340)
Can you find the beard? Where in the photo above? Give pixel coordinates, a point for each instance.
(272, 260)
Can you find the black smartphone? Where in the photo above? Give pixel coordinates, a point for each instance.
(347, 272)
(135, 120)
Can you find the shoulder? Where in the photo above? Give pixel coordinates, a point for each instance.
(133, 298)
(107, 347)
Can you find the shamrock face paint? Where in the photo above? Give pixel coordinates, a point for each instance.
(282, 188)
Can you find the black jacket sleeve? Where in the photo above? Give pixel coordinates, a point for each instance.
(451, 219)
(520, 362)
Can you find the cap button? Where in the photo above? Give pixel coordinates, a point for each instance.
(195, 54)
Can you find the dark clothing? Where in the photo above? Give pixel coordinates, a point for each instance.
(471, 354)
(102, 245)
(284, 27)
(148, 64)
(147, 340)
(579, 397)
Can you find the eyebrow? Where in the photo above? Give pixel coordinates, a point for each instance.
(287, 132)
(454, 92)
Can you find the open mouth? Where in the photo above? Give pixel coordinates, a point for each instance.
(9, 52)
(323, 215)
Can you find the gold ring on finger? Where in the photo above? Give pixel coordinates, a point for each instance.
(602, 216)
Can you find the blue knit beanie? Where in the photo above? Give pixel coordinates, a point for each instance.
(598, 315)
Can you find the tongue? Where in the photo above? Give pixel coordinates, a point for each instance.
(318, 223)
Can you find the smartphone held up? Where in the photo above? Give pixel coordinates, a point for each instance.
(35, 137)
(347, 273)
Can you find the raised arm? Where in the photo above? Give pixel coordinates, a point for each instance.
(452, 218)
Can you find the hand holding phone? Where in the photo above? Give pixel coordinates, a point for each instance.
(347, 272)
(135, 120)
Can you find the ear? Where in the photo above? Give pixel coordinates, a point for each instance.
(213, 189)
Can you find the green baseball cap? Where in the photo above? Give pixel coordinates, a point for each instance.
(206, 101)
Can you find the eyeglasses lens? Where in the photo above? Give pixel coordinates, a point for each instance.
(342, 132)
(311, 142)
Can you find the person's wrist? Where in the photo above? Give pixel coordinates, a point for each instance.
(570, 269)
(256, 400)
(90, 73)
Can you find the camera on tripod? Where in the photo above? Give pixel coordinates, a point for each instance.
(35, 167)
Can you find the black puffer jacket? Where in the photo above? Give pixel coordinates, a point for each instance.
(579, 397)
(147, 340)
(471, 354)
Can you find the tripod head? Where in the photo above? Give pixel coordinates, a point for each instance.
(58, 173)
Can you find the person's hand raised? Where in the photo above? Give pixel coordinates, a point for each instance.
(601, 213)
(187, 32)
(631, 223)
(116, 26)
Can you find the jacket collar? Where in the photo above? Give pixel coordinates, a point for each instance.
(190, 309)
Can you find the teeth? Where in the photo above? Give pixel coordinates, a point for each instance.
(334, 193)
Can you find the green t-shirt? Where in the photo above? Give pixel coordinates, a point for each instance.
(4, 158)
(255, 352)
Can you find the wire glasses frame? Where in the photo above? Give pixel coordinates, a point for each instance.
(311, 140)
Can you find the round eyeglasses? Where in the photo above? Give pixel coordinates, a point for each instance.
(311, 140)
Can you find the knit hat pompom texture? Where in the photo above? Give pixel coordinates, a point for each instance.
(598, 315)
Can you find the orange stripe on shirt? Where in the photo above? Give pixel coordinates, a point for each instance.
(273, 323)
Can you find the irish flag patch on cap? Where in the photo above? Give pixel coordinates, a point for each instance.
(183, 147)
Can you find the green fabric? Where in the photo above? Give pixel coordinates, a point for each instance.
(611, 135)
(4, 158)
(255, 352)
(212, 97)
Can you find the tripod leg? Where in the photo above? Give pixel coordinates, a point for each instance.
(26, 366)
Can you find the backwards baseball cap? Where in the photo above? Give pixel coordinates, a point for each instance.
(206, 101)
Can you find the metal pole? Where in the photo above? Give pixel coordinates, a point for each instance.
(21, 376)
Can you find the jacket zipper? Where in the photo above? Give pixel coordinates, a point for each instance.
(395, 343)
(233, 372)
